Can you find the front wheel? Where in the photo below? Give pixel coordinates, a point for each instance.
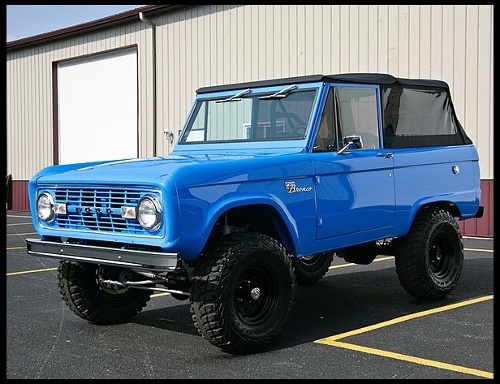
(86, 290)
(243, 292)
(430, 258)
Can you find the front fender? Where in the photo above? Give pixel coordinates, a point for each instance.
(200, 215)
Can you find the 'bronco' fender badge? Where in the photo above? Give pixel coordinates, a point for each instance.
(292, 188)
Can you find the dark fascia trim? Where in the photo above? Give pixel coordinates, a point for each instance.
(360, 78)
(92, 26)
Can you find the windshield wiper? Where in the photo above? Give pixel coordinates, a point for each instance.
(279, 94)
(235, 97)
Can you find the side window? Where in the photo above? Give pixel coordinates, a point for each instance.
(418, 117)
(357, 114)
(326, 138)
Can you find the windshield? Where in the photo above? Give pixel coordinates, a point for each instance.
(250, 115)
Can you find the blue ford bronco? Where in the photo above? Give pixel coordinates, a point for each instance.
(267, 182)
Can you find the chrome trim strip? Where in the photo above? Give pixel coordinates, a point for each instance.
(103, 255)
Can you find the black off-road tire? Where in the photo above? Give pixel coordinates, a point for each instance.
(310, 269)
(430, 258)
(86, 296)
(243, 292)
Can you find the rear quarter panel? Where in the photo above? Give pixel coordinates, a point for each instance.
(429, 174)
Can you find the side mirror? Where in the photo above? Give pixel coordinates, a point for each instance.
(168, 136)
(350, 143)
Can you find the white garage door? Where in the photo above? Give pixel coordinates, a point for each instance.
(97, 105)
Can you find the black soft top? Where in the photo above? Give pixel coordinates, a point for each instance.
(361, 78)
(425, 103)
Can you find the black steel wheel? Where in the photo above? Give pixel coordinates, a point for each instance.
(243, 292)
(87, 293)
(429, 259)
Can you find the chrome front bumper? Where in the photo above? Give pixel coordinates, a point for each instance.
(127, 258)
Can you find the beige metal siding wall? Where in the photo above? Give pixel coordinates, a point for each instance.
(29, 114)
(30, 94)
(216, 44)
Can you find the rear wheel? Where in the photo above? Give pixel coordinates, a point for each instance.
(87, 293)
(429, 259)
(243, 291)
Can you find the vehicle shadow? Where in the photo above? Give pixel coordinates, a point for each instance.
(174, 317)
(341, 302)
(345, 302)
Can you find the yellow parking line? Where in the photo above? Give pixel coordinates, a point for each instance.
(31, 271)
(54, 269)
(160, 294)
(21, 234)
(413, 359)
(333, 340)
(25, 217)
(12, 248)
(478, 250)
(353, 264)
(10, 225)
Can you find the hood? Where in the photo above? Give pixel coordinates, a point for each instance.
(186, 170)
(140, 171)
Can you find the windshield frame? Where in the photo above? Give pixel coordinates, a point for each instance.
(256, 92)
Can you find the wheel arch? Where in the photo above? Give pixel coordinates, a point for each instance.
(203, 220)
(445, 205)
(257, 215)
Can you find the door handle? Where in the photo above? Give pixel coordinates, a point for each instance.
(384, 154)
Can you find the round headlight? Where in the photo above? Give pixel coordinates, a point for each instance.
(45, 207)
(148, 212)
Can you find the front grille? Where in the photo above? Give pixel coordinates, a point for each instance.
(95, 208)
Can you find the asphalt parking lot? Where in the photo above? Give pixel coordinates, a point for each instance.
(355, 323)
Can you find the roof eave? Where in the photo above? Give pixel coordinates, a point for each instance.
(92, 26)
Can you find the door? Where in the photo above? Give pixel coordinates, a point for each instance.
(355, 186)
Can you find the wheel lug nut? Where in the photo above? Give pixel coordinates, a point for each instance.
(255, 293)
